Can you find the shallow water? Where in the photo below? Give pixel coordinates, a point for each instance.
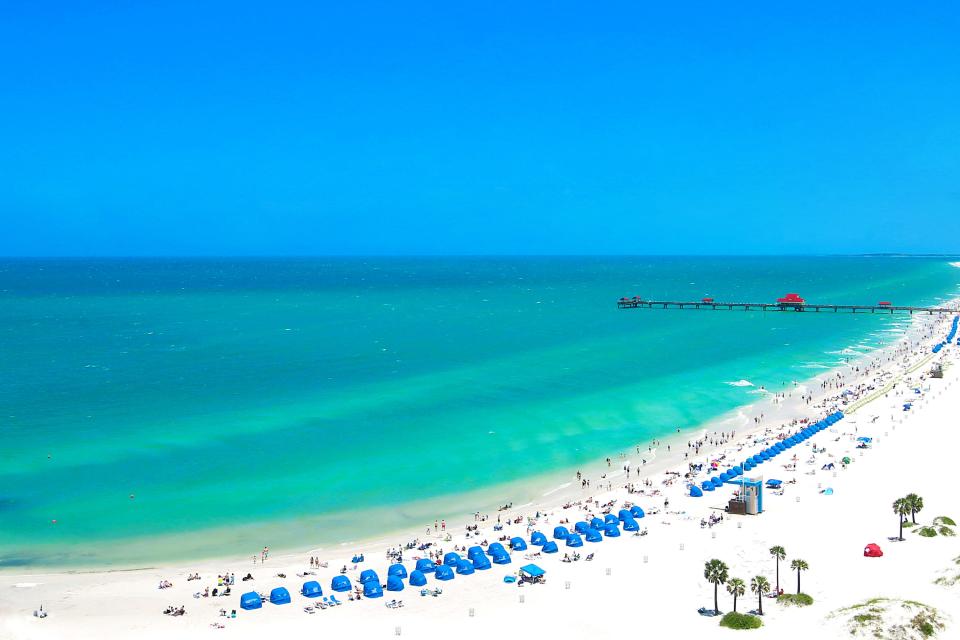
(253, 402)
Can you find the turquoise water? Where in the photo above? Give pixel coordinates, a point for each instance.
(253, 402)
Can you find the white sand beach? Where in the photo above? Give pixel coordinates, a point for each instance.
(650, 584)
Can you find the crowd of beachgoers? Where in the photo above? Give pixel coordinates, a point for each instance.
(656, 478)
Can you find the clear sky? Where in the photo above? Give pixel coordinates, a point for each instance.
(187, 128)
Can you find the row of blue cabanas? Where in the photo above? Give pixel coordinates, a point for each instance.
(950, 336)
(714, 483)
(594, 531)
(453, 564)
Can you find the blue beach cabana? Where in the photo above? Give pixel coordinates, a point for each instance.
(417, 578)
(369, 575)
(280, 595)
(426, 565)
(637, 512)
(560, 533)
(397, 570)
(395, 583)
(724, 476)
(707, 486)
(372, 589)
(444, 572)
(501, 557)
(611, 531)
(340, 584)
(581, 527)
(611, 519)
(695, 491)
(451, 558)
(551, 547)
(465, 568)
(481, 563)
(475, 551)
(250, 600)
(538, 539)
(631, 525)
(574, 540)
(592, 535)
(716, 482)
(311, 589)
(597, 523)
(495, 548)
(518, 544)
(624, 514)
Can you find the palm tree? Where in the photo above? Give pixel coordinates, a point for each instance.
(799, 565)
(779, 553)
(916, 505)
(715, 571)
(759, 586)
(735, 587)
(901, 507)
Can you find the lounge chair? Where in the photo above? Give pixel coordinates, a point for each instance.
(334, 600)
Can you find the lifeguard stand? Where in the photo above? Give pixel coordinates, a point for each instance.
(750, 501)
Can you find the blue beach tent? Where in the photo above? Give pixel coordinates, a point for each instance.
(581, 527)
(707, 486)
(611, 531)
(311, 589)
(551, 547)
(340, 584)
(631, 525)
(623, 514)
(611, 519)
(724, 476)
(426, 565)
(574, 540)
(451, 558)
(502, 558)
(475, 551)
(250, 600)
(481, 563)
(538, 539)
(518, 544)
(637, 512)
(397, 570)
(394, 583)
(716, 482)
(417, 578)
(444, 572)
(495, 549)
(560, 533)
(695, 491)
(592, 535)
(738, 470)
(597, 523)
(372, 590)
(369, 575)
(465, 568)
(280, 595)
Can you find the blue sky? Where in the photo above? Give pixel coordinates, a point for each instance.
(279, 128)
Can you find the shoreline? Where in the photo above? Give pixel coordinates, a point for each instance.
(555, 488)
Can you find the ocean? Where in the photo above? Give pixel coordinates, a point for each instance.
(159, 409)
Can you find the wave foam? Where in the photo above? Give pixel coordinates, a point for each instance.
(740, 383)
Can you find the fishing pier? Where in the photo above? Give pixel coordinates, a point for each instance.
(790, 302)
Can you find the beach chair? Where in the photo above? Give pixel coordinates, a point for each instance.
(334, 600)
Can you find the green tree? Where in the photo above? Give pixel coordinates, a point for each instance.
(736, 587)
(779, 553)
(916, 505)
(901, 507)
(759, 585)
(715, 571)
(799, 565)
